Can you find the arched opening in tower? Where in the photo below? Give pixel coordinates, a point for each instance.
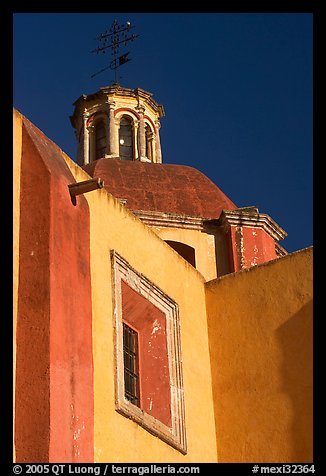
(187, 252)
(126, 151)
(100, 140)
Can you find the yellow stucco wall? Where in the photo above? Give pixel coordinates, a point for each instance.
(260, 330)
(17, 147)
(203, 243)
(116, 437)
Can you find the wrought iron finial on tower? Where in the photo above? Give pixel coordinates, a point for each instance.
(117, 36)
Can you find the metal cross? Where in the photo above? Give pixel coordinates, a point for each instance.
(117, 36)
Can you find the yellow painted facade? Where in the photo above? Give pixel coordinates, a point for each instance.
(260, 331)
(203, 243)
(17, 147)
(116, 437)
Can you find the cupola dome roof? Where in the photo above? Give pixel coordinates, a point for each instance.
(167, 188)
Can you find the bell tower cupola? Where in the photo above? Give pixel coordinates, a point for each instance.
(117, 122)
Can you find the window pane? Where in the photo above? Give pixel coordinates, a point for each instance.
(100, 140)
(125, 139)
(130, 358)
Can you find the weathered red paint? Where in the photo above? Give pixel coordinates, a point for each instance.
(150, 323)
(54, 386)
(260, 247)
(167, 188)
(32, 398)
(126, 109)
(251, 246)
(151, 122)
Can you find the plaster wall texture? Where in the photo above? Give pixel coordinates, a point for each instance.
(260, 331)
(114, 227)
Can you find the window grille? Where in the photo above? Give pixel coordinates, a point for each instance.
(130, 358)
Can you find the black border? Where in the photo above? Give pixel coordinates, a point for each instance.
(225, 6)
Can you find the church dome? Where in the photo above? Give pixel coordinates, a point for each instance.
(167, 188)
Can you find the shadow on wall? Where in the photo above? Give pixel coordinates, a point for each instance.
(296, 339)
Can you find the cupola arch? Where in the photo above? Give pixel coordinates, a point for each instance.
(126, 138)
(97, 128)
(126, 122)
(150, 138)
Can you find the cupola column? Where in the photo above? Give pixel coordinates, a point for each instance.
(86, 138)
(141, 134)
(113, 142)
(91, 143)
(158, 151)
(150, 146)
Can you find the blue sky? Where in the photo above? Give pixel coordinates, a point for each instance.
(236, 89)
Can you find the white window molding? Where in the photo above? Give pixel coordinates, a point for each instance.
(175, 435)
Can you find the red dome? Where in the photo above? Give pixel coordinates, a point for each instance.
(177, 189)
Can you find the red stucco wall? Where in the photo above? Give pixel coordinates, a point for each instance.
(251, 246)
(150, 323)
(259, 247)
(32, 409)
(54, 367)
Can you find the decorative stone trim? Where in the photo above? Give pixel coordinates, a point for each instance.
(280, 251)
(144, 159)
(250, 217)
(121, 111)
(116, 89)
(239, 247)
(176, 435)
(170, 220)
(147, 118)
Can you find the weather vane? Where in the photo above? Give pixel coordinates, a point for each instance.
(117, 36)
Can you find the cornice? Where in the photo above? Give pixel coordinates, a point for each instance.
(169, 220)
(250, 217)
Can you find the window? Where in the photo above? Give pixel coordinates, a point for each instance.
(130, 359)
(149, 138)
(187, 252)
(100, 140)
(148, 364)
(126, 151)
